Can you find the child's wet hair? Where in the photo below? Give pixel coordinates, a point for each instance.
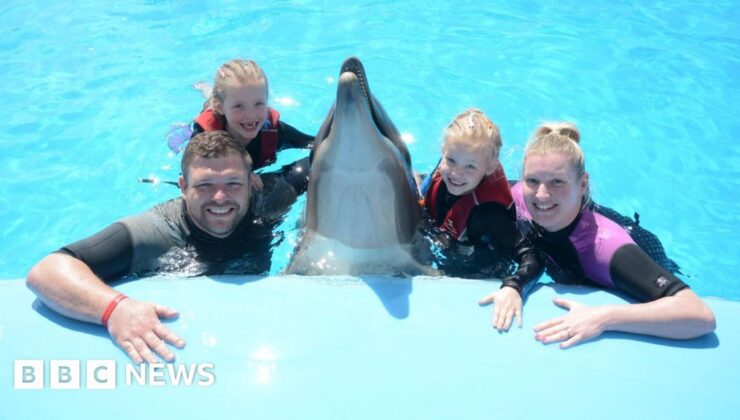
(237, 72)
(474, 129)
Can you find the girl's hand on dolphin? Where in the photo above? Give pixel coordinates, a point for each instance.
(256, 182)
(135, 327)
(507, 304)
(581, 323)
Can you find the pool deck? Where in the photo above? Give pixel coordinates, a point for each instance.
(345, 347)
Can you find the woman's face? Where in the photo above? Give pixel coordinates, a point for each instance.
(552, 191)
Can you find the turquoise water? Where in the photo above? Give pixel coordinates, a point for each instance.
(88, 91)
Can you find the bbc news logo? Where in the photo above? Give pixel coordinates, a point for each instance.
(103, 374)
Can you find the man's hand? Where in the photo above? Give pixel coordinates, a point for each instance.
(507, 304)
(135, 327)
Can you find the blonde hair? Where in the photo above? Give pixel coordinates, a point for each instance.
(559, 137)
(473, 128)
(236, 71)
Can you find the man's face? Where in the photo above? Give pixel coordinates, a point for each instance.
(217, 193)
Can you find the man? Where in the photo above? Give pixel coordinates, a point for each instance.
(210, 223)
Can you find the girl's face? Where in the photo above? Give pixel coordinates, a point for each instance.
(552, 192)
(463, 167)
(245, 109)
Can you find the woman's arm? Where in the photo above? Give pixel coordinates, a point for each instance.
(671, 309)
(681, 316)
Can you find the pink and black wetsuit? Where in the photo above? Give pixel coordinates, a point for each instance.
(594, 250)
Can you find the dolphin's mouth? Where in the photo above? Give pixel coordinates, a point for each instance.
(353, 65)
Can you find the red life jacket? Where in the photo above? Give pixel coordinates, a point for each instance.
(493, 188)
(210, 121)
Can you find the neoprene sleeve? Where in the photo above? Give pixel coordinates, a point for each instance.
(497, 224)
(290, 137)
(636, 274)
(107, 253)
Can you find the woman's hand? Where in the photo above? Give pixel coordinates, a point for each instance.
(581, 323)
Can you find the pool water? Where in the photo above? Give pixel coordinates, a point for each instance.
(89, 91)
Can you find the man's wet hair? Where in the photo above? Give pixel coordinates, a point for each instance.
(213, 144)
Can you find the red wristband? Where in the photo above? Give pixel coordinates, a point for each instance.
(109, 309)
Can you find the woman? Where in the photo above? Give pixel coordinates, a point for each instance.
(583, 247)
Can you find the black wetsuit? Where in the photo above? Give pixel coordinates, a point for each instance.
(164, 239)
(493, 247)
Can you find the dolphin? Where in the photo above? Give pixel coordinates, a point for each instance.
(362, 212)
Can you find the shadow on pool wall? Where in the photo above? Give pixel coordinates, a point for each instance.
(98, 330)
(395, 295)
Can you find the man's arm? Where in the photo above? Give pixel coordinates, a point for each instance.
(68, 285)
